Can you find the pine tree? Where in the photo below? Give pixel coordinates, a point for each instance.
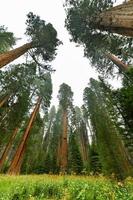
(75, 160)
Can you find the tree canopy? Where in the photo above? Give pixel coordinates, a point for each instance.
(80, 22)
(7, 39)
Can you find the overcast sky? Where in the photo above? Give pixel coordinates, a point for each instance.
(71, 67)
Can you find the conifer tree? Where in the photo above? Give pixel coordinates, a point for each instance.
(81, 135)
(43, 91)
(42, 45)
(75, 161)
(7, 39)
(65, 101)
(100, 45)
(111, 150)
(123, 100)
(33, 161)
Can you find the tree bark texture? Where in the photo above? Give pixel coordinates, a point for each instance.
(122, 66)
(84, 143)
(7, 57)
(17, 168)
(16, 162)
(125, 158)
(7, 148)
(64, 145)
(4, 100)
(118, 19)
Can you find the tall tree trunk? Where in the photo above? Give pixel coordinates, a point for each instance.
(4, 100)
(64, 145)
(7, 148)
(17, 169)
(7, 57)
(59, 151)
(124, 154)
(17, 157)
(84, 142)
(128, 127)
(122, 66)
(118, 19)
(47, 138)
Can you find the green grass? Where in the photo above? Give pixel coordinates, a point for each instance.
(49, 187)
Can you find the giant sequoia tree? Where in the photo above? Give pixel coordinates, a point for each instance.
(113, 155)
(52, 141)
(16, 87)
(79, 135)
(33, 161)
(43, 42)
(65, 101)
(99, 44)
(123, 99)
(101, 15)
(118, 19)
(20, 87)
(43, 92)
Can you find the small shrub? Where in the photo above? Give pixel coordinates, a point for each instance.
(48, 190)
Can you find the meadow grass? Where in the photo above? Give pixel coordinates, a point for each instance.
(50, 187)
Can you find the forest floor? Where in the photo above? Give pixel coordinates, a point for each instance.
(50, 187)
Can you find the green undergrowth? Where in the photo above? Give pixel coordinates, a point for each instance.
(49, 187)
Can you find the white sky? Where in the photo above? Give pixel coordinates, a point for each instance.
(71, 67)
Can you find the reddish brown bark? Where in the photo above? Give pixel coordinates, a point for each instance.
(16, 162)
(8, 147)
(17, 169)
(4, 100)
(7, 57)
(64, 145)
(118, 19)
(122, 66)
